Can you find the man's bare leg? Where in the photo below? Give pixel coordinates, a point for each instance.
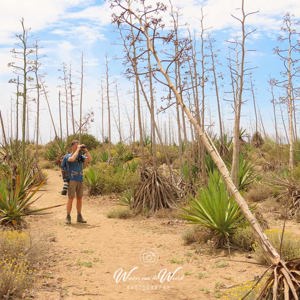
(79, 206)
(69, 209)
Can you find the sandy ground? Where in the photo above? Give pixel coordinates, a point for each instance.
(131, 259)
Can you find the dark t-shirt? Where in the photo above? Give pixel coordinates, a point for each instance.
(74, 168)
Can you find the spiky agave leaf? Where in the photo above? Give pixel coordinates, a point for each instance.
(213, 208)
(16, 202)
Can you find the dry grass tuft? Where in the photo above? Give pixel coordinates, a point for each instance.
(290, 246)
(120, 213)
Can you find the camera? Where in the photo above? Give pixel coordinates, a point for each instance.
(80, 157)
(66, 182)
(65, 188)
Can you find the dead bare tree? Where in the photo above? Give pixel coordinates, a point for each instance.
(23, 67)
(289, 56)
(240, 78)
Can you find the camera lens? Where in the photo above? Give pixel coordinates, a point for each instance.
(65, 188)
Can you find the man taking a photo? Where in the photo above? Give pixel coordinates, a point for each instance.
(75, 162)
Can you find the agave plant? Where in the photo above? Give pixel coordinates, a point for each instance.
(16, 199)
(93, 181)
(214, 209)
(246, 174)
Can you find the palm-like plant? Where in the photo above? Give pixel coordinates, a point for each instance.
(214, 209)
(246, 174)
(93, 181)
(16, 199)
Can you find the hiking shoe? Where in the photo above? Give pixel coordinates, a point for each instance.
(80, 219)
(68, 219)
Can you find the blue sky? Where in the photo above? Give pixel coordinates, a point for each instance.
(66, 28)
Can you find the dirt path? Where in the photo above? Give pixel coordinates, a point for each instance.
(87, 257)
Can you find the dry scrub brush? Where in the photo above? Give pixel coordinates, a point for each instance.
(154, 192)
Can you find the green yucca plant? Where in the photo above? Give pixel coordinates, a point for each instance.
(16, 198)
(214, 209)
(93, 181)
(246, 174)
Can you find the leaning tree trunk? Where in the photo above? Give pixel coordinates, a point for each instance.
(272, 253)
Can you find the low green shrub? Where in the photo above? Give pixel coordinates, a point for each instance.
(88, 139)
(54, 150)
(104, 178)
(244, 238)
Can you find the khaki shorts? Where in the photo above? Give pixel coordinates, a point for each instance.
(75, 188)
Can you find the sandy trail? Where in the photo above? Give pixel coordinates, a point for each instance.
(85, 257)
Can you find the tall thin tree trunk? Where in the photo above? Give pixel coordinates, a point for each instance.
(174, 16)
(274, 113)
(71, 99)
(36, 67)
(295, 119)
(119, 115)
(262, 124)
(27, 124)
(137, 90)
(102, 112)
(152, 108)
(65, 79)
(49, 109)
(238, 104)
(24, 94)
(254, 104)
(17, 109)
(81, 98)
(3, 130)
(212, 55)
(108, 101)
(283, 123)
(134, 113)
(290, 114)
(60, 115)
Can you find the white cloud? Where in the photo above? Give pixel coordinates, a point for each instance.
(98, 13)
(86, 33)
(218, 12)
(37, 14)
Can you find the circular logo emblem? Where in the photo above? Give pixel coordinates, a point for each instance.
(148, 257)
